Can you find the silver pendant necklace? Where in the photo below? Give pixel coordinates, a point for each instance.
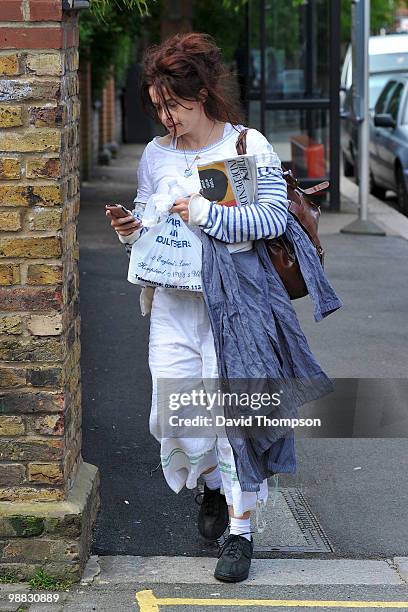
(189, 168)
(189, 171)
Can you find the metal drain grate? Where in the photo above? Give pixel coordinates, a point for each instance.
(308, 526)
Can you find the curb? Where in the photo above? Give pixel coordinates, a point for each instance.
(392, 221)
(116, 570)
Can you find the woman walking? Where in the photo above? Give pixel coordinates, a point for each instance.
(184, 82)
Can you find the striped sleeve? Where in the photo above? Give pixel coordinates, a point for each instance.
(265, 218)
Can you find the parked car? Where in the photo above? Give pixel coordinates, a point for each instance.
(389, 142)
(388, 56)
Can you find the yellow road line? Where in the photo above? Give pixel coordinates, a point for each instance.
(148, 602)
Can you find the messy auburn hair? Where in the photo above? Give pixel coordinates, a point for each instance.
(185, 64)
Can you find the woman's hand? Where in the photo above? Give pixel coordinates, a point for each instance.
(181, 207)
(123, 225)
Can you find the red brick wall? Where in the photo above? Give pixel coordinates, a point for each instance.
(86, 124)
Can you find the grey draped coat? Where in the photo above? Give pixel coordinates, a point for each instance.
(260, 345)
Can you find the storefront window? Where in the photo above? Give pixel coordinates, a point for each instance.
(301, 140)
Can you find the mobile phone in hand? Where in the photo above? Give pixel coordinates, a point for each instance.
(118, 211)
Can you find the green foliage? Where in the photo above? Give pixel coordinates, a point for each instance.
(214, 17)
(209, 16)
(8, 578)
(234, 5)
(101, 7)
(42, 580)
(108, 34)
(382, 16)
(237, 5)
(25, 526)
(108, 37)
(382, 13)
(151, 22)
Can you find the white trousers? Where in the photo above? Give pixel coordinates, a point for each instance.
(181, 345)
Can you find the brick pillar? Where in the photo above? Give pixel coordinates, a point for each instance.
(110, 110)
(48, 495)
(86, 124)
(104, 154)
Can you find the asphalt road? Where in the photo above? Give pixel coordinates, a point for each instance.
(221, 597)
(363, 510)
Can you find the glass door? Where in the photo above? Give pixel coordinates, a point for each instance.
(294, 80)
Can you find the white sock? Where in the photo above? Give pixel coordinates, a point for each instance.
(213, 479)
(240, 527)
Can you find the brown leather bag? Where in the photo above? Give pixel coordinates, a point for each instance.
(307, 214)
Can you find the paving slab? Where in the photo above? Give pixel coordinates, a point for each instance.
(191, 570)
(401, 563)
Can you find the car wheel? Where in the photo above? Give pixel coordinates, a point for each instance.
(402, 194)
(376, 190)
(348, 168)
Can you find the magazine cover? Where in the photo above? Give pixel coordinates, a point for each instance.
(230, 182)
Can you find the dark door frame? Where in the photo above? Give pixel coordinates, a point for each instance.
(332, 103)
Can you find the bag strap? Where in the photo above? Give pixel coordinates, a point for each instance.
(241, 145)
(316, 188)
(293, 182)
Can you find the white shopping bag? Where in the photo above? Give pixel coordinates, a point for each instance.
(156, 209)
(168, 255)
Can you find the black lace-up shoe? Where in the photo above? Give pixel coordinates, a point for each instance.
(213, 516)
(235, 557)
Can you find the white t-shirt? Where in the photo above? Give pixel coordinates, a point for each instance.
(161, 164)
